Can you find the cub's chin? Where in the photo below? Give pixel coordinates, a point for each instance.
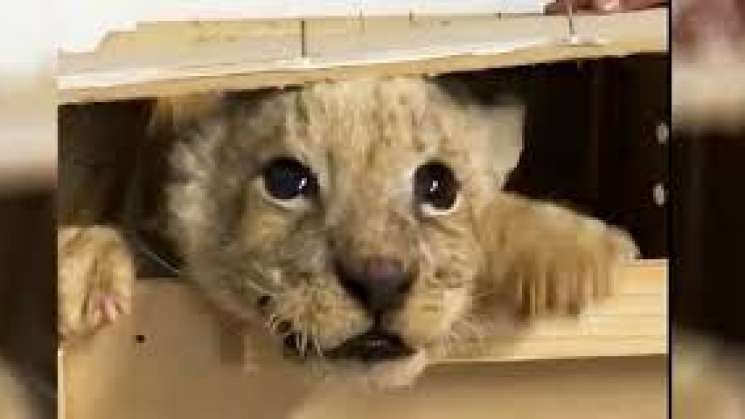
(373, 359)
(379, 374)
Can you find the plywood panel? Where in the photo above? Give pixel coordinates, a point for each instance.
(172, 358)
(618, 388)
(611, 388)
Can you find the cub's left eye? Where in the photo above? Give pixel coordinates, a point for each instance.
(286, 178)
(435, 184)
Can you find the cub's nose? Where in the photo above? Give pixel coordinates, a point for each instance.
(380, 284)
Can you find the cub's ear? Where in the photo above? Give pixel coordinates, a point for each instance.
(174, 115)
(501, 134)
(495, 123)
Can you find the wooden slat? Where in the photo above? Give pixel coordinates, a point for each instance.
(177, 58)
(633, 322)
(185, 367)
(611, 388)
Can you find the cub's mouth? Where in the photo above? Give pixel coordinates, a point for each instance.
(369, 347)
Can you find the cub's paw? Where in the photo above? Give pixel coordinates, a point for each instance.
(570, 270)
(95, 278)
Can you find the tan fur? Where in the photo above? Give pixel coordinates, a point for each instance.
(96, 274)
(364, 140)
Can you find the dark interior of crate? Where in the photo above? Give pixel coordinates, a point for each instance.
(591, 138)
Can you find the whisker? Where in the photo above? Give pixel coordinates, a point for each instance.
(303, 340)
(258, 288)
(317, 346)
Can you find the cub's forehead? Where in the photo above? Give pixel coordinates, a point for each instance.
(386, 125)
(362, 121)
(373, 121)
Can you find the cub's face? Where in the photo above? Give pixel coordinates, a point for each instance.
(340, 216)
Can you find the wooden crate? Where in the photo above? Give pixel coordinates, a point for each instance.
(172, 358)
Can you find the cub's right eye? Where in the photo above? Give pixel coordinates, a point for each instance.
(286, 178)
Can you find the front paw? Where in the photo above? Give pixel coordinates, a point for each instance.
(570, 270)
(96, 275)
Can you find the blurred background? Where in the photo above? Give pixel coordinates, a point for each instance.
(28, 160)
(708, 209)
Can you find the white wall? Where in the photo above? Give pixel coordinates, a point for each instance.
(86, 20)
(33, 29)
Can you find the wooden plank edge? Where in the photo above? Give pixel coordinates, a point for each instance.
(180, 82)
(155, 82)
(591, 334)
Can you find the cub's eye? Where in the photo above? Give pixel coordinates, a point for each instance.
(286, 178)
(435, 184)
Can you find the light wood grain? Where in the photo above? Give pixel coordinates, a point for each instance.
(187, 367)
(178, 58)
(632, 322)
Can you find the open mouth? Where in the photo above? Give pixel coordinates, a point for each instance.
(369, 347)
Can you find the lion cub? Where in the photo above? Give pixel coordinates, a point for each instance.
(361, 224)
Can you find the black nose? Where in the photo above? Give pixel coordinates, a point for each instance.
(379, 284)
